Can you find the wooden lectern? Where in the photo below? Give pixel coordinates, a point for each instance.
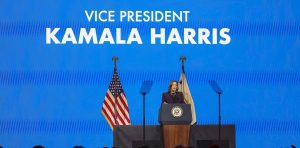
(175, 120)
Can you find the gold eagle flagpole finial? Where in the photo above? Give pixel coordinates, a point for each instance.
(115, 59)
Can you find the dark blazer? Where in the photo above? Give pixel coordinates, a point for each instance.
(170, 98)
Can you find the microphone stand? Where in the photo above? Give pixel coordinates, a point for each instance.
(218, 90)
(219, 122)
(144, 119)
(146, 86)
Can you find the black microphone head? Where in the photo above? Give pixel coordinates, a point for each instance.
(214, 85)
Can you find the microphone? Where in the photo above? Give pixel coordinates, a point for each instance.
(214, 85)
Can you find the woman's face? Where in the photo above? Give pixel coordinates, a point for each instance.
(174, 87)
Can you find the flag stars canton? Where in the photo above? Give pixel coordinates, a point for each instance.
(115, 86)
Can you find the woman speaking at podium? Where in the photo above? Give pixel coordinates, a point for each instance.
(175, 130)
(172, 95)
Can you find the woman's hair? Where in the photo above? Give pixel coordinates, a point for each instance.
(170, 85)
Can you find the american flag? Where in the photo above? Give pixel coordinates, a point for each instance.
(115, 106)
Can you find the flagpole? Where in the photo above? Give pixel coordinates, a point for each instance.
(189, 99)
(115, 59)
(182, 59)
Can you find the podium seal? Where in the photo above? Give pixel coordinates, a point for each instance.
(177, 111)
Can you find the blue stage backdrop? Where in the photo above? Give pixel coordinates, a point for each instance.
(52, 94)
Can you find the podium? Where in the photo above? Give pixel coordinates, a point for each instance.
(201, 136)
(175, 120)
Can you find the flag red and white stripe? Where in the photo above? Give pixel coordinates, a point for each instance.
(115, 107)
